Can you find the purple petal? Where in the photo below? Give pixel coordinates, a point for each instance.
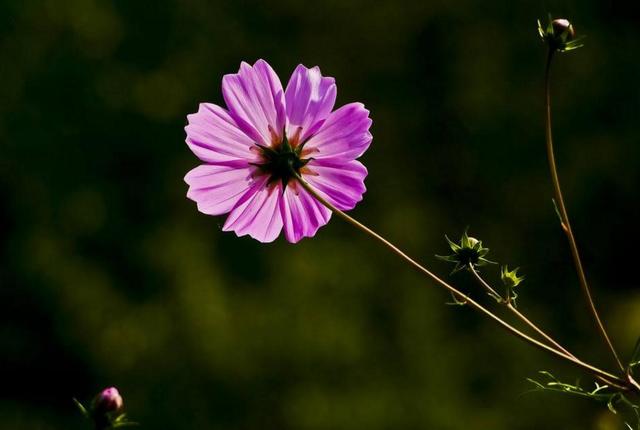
(341, 183)
(255, 100)
(214, 137)
(344, 135)
(217, 188)
(309, 99)
(301, 213)
(257, 213)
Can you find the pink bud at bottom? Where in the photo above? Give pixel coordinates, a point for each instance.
(108, 401)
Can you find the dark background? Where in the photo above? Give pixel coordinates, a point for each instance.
(110, 276)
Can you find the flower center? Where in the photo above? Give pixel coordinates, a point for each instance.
(282, 161)
(468, 256)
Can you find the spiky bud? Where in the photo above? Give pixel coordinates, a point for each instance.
(510, 279)
(468, 252)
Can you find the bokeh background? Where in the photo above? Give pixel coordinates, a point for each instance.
(110, 276)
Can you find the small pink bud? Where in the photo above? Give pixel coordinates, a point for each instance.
(108, 401)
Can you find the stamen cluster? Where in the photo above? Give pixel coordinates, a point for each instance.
(282, 161)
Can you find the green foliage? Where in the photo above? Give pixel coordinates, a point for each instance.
(123, 421)
(110, 421)
(613, 398)
(82, 409)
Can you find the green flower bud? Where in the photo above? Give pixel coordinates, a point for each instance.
(468, 252)
(510, 279)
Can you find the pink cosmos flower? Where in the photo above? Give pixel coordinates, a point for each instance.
(252, 150)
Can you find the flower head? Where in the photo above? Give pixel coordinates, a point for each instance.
(106, 410)
(107, 401)
(560, 35)
(468, 252)
(253, 150)
(510, 279)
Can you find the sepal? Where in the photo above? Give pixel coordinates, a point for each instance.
(467, 253)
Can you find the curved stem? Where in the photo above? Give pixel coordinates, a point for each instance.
(531, 324)
(564, 217)
(594, 370)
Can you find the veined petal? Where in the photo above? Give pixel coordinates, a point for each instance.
(309, 100)
(217, 188)
(257, 212)
(255, 100)
(214, 137)
(344, 135)
(302, 214)
(246, 181)
(341, 183)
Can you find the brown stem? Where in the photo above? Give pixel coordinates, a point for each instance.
(463, 297)
(564, 217)
(517, 313)
(531, 324)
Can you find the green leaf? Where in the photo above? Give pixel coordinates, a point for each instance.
(555, 208)
(456, 301)
(81, 407)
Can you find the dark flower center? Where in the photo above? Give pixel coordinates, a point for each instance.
(282, 162)
(468, 256)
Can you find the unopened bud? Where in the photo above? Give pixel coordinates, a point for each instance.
(562, 28)
(108, 401)
(510, 278)
(467, 253)
(560, 35)
(106, 410)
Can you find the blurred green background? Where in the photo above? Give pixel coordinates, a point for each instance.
(110, 276)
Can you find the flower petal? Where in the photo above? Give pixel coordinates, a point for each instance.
(344, 135)
(257, 213)
(214, 137)
(217, 188)
(301, 213)
(309, 100)
(341, 183)
(255, 100)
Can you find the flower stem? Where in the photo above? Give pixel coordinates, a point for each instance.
(531, 324)
(564, 217)
(516, 312)
(463, 297)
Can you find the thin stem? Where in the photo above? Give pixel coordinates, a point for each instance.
(453, 290)
(530, 323)
(564, 217)
(517, 313)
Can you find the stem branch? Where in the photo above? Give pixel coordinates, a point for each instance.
(531, 324)
(517, 313)
(594, 370)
